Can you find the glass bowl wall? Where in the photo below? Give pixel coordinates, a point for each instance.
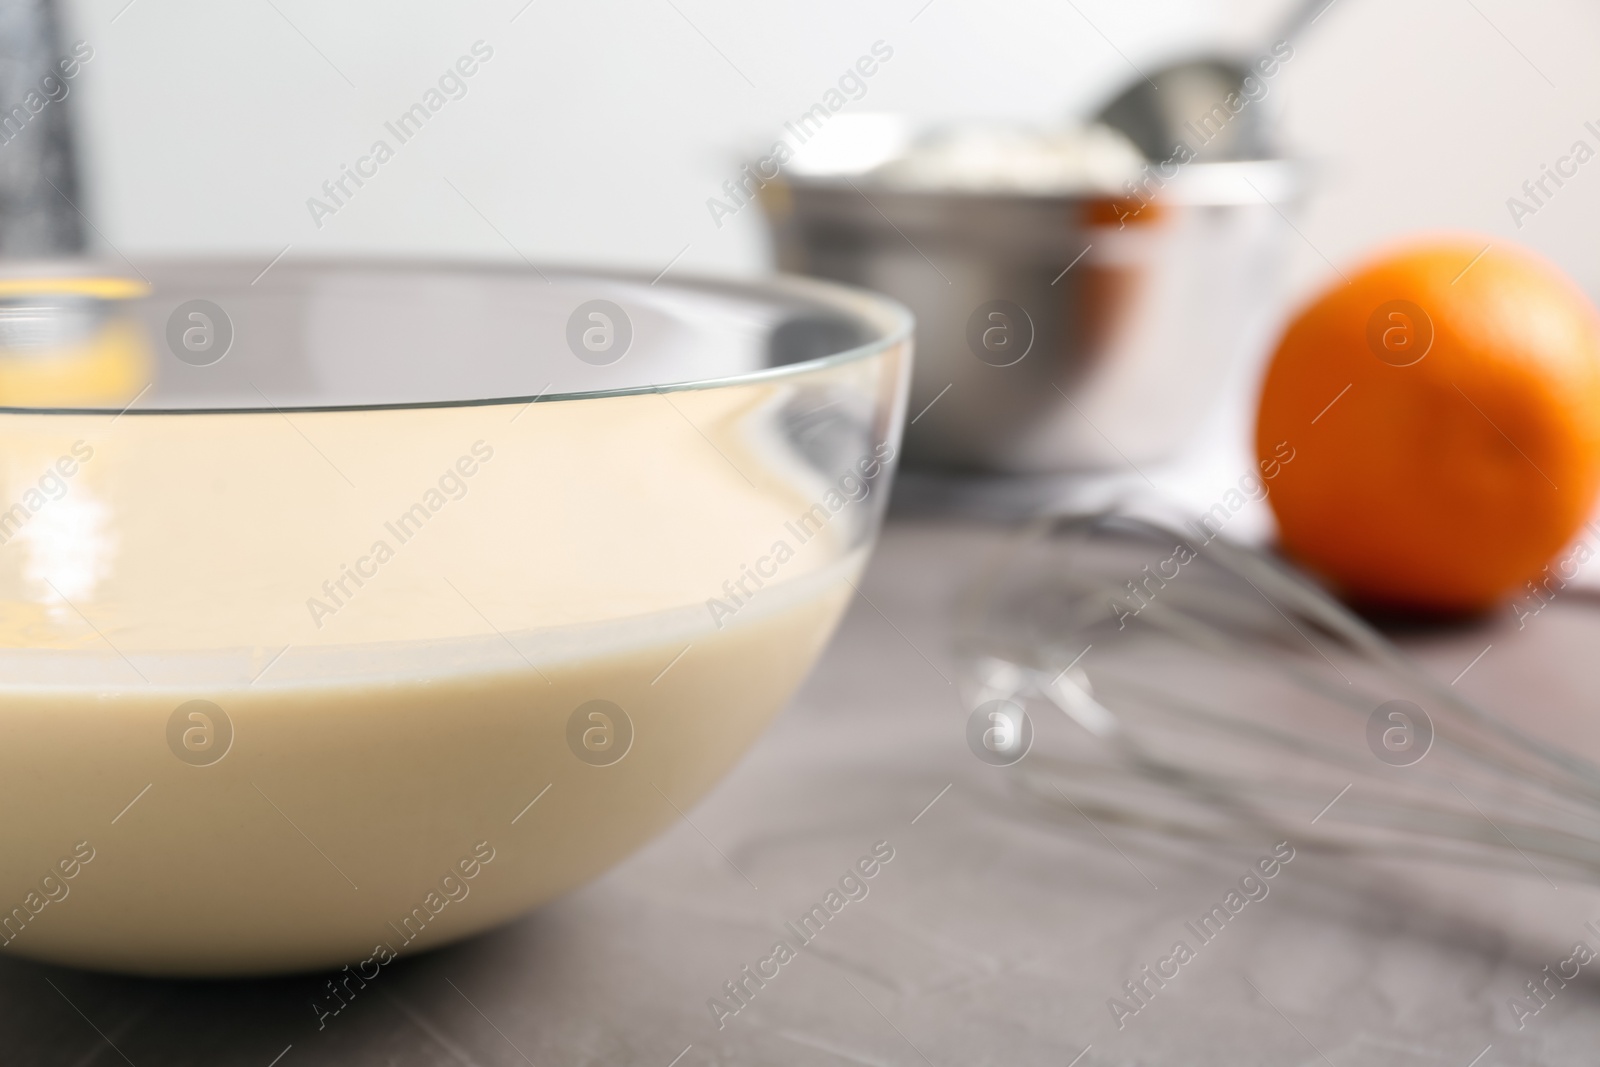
(354, 608)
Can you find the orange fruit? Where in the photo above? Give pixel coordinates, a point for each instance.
(1442, 411)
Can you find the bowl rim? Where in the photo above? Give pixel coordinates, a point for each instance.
(895, 321)
(1215, 183)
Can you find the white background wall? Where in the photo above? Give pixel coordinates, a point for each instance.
(598, 129)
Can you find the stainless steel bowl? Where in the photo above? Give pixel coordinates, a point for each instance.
(1055, 332)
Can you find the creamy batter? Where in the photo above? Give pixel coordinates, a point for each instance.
(279, 676)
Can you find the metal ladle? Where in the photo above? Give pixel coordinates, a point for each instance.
(1153, 110)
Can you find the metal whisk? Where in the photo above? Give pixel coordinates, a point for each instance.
(1207, 687)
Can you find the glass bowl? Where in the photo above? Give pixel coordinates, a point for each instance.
(348, 609)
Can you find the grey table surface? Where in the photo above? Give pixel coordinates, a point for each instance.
(994, 935)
